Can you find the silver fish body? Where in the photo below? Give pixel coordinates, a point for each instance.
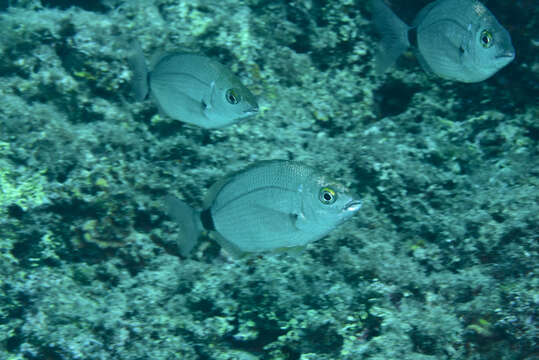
(459, 40)
(272, 205)
(193, 88)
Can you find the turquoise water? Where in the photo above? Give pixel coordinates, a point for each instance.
(439, 263)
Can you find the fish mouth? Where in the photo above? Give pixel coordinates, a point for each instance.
(251, 112)
(353, 205)
(506, 55)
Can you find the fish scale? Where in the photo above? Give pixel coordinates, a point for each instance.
(458, 40)
(271, 205)
(192, 88)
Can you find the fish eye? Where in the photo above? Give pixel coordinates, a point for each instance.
(232, 96)
(486, 38)
(327, 196)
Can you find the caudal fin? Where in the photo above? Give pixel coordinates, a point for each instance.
(139, 82)
(189, 221)
(394, 35)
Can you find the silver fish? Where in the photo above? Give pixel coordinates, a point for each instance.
(192, 88)
(455, 39)
(271, 205)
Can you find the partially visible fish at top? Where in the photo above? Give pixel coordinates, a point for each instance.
(192, 88)
(458, 40)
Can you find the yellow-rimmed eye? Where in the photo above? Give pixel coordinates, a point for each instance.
(486, 38)
(327, 195)
(232, 96)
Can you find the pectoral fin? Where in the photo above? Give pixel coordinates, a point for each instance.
(299, 221)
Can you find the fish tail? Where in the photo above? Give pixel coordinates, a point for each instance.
(189, 221)
(139, 82)
(394, 35)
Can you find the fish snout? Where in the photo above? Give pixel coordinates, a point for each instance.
(251, 111)
(352, 205)
(507, 55)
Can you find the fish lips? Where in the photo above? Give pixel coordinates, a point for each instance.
(353, 205)
(506, 56)
(250, 112)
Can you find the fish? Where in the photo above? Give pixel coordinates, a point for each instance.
(272, 205)
(191, 88)
(458, 40)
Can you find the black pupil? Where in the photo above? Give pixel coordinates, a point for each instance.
(232, 98)
(327, 196)
(486, 39)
